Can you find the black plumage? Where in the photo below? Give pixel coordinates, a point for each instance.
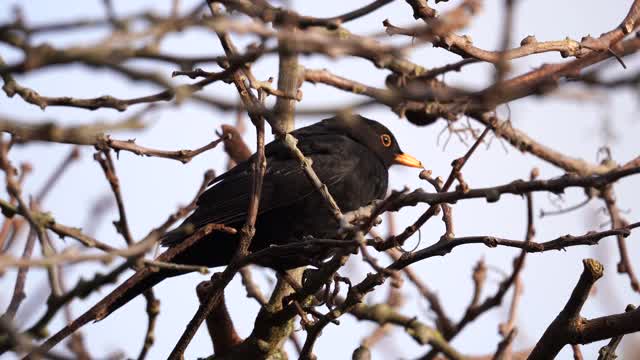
(350, 155)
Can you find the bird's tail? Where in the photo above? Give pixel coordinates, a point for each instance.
(141, 281)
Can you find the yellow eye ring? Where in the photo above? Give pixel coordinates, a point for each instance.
(386, 140)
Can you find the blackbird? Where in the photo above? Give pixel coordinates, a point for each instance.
(350, 155)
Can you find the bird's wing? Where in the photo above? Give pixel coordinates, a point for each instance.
(285, 183)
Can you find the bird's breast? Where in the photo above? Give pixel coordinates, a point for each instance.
(367, 182)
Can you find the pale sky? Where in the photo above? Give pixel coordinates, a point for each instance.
(152, 188)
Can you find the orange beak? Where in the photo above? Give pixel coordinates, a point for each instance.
(407, 160)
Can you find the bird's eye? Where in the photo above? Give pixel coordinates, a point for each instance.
(386, 140)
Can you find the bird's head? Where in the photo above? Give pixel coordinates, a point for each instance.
(377, 138)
